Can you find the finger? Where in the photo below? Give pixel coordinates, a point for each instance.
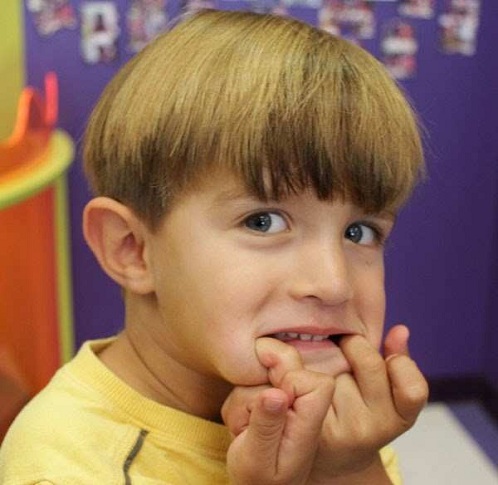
(256, 449)
(278, 357)
(313, 393)
(350, 428)
(346, 400)
(410, 390)
(286, 371)
(396, 342)
(310, 393)
(237, 408)
(267, 420)
(368, 368)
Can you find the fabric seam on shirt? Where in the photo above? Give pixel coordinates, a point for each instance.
(137, 446)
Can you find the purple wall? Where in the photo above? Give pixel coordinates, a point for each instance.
(489, 151)
(441, 278)
(442, 270)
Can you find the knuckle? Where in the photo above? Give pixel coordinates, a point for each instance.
(291, 378)
(374, 363)
(234, 417)
(416, 393)
(268, 431)
(320, 379)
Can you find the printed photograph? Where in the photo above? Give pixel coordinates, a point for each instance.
(99, 32)
(350, 19)
(399, 47)
(459, 26)
(50, 16)
(423, 9)
(145, 20)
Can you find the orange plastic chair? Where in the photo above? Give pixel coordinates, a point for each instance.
(35, 293)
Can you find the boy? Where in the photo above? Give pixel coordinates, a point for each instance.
(248, 171)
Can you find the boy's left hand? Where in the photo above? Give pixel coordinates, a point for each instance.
(378, 401)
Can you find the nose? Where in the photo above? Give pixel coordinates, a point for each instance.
(322, 273)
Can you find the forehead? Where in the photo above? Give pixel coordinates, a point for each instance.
(223, 189)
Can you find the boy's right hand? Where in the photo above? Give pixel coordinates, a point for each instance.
(363, 412)
(277, 434)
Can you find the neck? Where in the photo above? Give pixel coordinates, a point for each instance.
(140, 358)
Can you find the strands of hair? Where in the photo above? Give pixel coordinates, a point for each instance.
(275, 101)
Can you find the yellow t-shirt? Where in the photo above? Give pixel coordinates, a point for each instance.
(87, 426)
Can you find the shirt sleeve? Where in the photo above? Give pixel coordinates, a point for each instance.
(391, 464)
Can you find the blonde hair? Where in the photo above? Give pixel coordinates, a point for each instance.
(281, 104)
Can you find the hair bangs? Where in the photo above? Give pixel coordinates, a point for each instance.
(345, 131)
(284, 106)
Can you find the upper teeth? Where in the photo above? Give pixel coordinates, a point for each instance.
(300, 336)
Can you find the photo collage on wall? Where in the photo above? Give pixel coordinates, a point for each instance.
(351, 19)
(422, 9)
(399, 48)
(458, 27)
(50, 16)
(101, 24)
(144, 21)
(99, 31)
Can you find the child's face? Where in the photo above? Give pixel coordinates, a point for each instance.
(229, 269)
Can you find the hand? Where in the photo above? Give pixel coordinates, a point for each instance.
(370, 407)
(377, 402)
(277, 428)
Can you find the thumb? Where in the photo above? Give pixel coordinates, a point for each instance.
(255, 452)
(267, 422)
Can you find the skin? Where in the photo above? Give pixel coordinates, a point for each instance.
(211, 298)
(365, 413)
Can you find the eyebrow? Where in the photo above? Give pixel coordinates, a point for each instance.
(388, 214)
(240, 193)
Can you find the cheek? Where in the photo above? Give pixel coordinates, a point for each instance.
(235, 284)
(220, 320)
(237, 363)
(373, 307)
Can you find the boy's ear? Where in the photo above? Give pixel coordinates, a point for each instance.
(117, 238)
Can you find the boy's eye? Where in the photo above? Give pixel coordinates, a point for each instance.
(267, 222)
(362, 234)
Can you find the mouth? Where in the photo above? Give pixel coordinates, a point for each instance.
(308, 337)
(320, 348)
